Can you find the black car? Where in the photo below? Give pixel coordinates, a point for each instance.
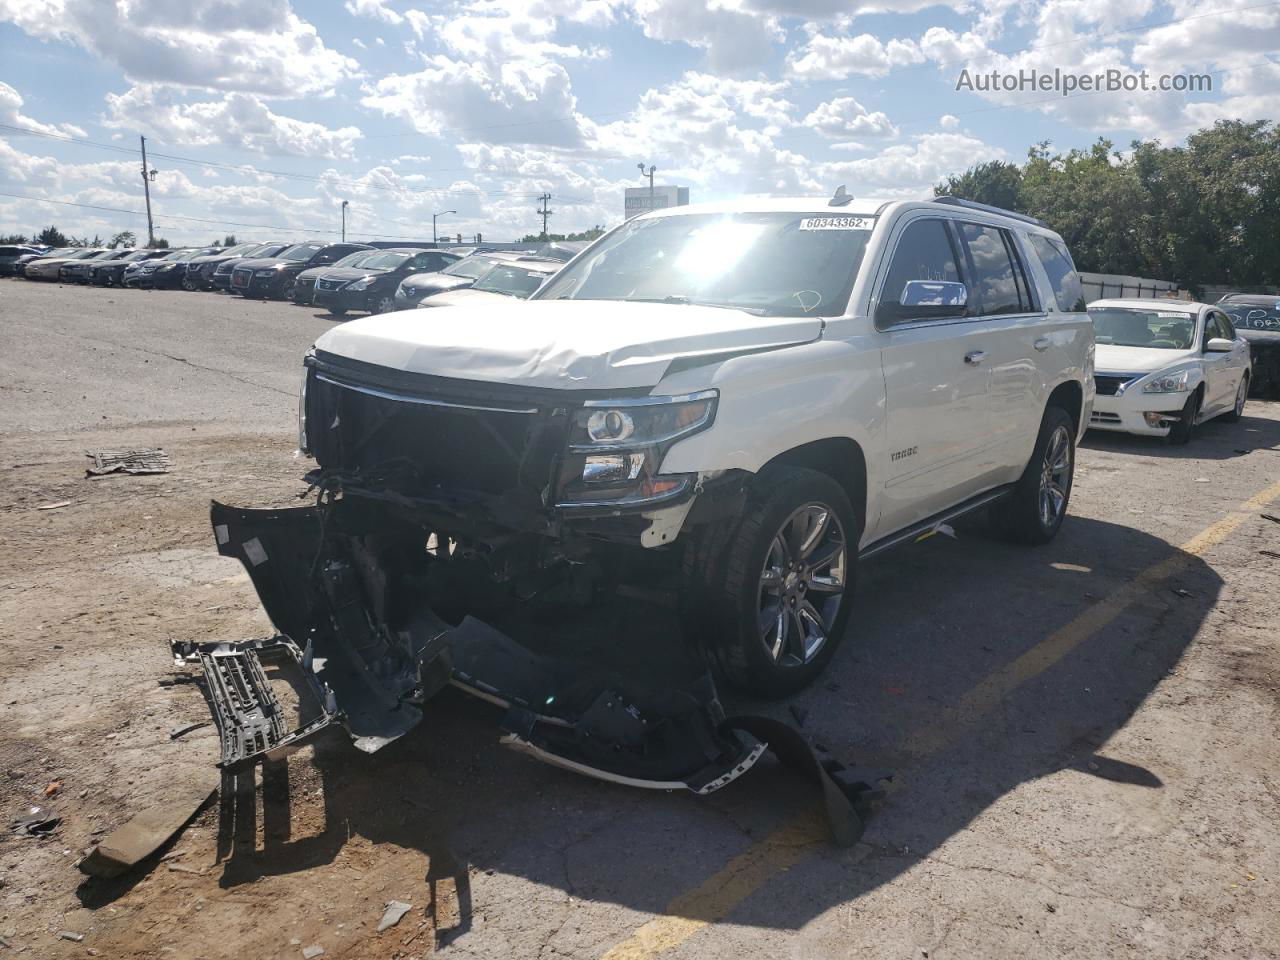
(370, 282)
(200, 272)
(1256, 317)
(166, 273)
(270, 276)
(104, 273)
(11, 256)
(457, 275)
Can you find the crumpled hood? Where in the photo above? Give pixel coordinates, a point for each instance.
(559, 344)
(1110, 358)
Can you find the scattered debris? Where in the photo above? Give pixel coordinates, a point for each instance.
(53, 789)
(70, 935)
(142, 836)
(1270, 553)
(396, 909)
(177, 680)
(128, 461)
(1270, 516)
(945, 529)
(1182, 592)
(183, 868)
(313, 951)
(1202, 480)
(6, 943)
(54, 506)
(184, 729)
(37, 822)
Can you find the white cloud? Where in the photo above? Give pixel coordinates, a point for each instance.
(911, 169)
(845, 117)
(835, 58)
(238, 120)
(11, 113)
(948, 121)
(735, 40)
(256, 46)
(376, 9)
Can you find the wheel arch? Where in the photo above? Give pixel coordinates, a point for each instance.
(1069, 396)
(841, 458)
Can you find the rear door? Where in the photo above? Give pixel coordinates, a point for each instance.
(1222, 370)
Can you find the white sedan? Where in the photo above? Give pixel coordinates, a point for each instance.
(1163, 366)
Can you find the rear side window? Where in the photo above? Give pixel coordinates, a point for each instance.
(1057, 264)
(997, 277)
(924, 252)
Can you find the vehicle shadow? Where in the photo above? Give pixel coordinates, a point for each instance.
(1214, 440)
(936, 622)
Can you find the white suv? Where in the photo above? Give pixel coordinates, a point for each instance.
(740, 401)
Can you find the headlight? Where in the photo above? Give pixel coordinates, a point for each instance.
(362, 284)
(1167, 383)
(616, 448)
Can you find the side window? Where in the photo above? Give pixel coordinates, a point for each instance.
(995, 282)
(924, 252)
(1224, 324)
(1057, 264)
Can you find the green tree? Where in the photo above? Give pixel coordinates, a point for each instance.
(995, 182)
(160, 243)
(125, 238)
(53, 237)
(228, 241)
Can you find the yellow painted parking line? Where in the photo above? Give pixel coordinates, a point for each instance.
(717, 896)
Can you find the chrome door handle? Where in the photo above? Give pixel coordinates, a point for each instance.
(975, 357)
(1042, 344)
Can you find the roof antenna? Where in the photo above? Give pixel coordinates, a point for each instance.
(842, 197)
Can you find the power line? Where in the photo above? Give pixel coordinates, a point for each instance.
(544, 210)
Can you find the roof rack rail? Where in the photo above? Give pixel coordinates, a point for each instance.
(988, 208)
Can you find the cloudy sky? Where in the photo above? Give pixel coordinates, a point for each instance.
(262, 116)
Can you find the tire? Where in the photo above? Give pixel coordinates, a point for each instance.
(337, 311)
(1242, 394)
(1033, 513)
(384, 304)
(1180, 433)
(189, 285)
(766, 563)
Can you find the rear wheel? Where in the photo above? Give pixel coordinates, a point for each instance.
(337, 311)
(1242, 393)
(1033, 512)
(776, 600)
(1182, 431)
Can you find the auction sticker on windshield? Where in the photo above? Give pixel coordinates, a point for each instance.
(837, 223)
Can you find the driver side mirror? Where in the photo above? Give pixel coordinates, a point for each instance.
(1219, 345)
(925, 300)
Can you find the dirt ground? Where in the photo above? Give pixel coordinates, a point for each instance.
(1082, 735)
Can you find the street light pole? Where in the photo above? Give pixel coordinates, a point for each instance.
(146, 189)
(648, 174)
(434, 238)
(345, 204)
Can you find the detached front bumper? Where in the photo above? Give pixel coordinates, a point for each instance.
(349, 587)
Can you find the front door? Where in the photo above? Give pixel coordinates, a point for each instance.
(936, 375)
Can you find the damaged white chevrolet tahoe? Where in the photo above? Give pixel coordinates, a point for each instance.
(694, 432)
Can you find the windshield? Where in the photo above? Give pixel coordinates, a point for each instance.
(1249, 317)
(785, 264)
(241, 249)
(137, 255)
(382, 260)
(510, 280)
(1162, 329)
(264, 250)
(183, 255)
(301, 251)
(472, 267)
(355, 259)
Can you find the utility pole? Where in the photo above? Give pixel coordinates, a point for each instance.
(652, 168)
(544, 211)
(434, 238)
(345, 204)
(147, 177)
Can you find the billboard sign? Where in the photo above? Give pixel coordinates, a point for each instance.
(638, 200)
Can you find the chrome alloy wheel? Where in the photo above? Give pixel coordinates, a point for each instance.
(802, 584)
(1055, 477)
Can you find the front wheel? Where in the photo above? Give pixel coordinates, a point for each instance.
(776, 600)
(1034, 511)
(383, 304)
(337, 311)
(1181, 432)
